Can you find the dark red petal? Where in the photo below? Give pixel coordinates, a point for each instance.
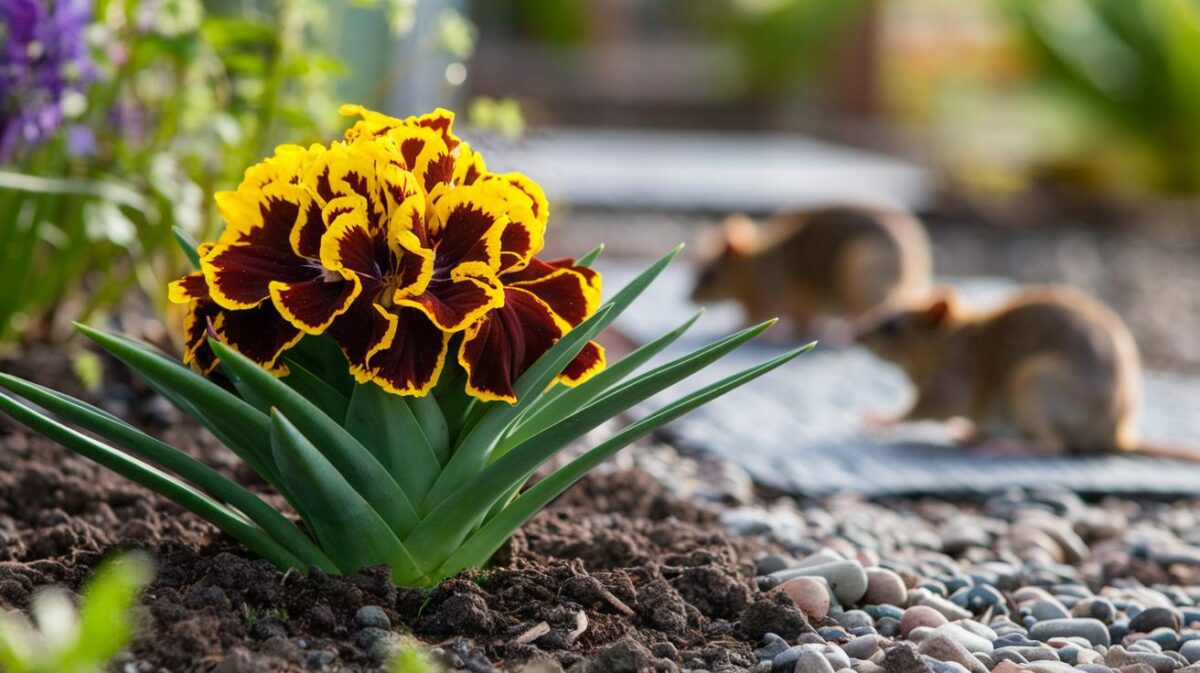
(239, 276)
(258, 333)
(462, 237)
(191, 287)
(358, 331)
(411, 148)
(309, 230)
(279, 216)
(312, 305)
(454, 304)
(501, 347)
(355, 249)
(536, 269)
(589, 361)
(195, 336)
(565, 290)
(439, 171)
(413, 360)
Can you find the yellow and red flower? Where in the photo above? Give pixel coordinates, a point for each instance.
(390, 241)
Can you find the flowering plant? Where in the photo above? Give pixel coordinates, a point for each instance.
(399, 360)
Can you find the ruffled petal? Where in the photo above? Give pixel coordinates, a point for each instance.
(453, 304)
(572, 291)
(258, 333)
(467, 226)
(239, 276)
(497, 350)
(312, 305)
(411, 362)
(363, 329)
(264, 216)
(469, 166)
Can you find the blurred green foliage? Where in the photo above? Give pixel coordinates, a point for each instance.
(187, 95)
(1134, 66)
(67, 641)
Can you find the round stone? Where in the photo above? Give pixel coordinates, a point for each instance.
(920, 615)
(372, 615)
(853, 619)
(1191, 651)
(1096, 608)
(811, 661)
(885, 587)
(809, 594)
(1154, 618)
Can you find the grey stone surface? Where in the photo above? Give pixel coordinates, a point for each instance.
(799, 429)
(677, 170)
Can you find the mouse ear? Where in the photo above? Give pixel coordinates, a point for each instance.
(939, 311)
(741, 234)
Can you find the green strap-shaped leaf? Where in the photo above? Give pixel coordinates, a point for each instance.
(433, 424)
(156, 480)
(591, 256)
(449, 524)
(565, 401)
(479, 547)
(351, 459)
(471, 454)
(385, 424)
(134, 441)
(316, 390)
(188, 245)
(349, 528)
(241, 427)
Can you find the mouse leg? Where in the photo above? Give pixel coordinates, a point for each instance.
(1040, 396)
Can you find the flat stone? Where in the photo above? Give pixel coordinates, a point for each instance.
(1083, 627)
(963, 637)
(1027, 653)
(942, 605)
(1049, 608)
(1094, 668)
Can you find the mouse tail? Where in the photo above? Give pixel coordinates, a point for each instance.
(1168, 451)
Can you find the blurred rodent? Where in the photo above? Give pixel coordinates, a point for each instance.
(835, 262)
(1052, 369)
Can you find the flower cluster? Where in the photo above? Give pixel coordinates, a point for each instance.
(399, 244)
(43, 60)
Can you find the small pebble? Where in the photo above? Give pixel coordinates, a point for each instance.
(1083, 627)
(809, 594)
(920, 615)
(884, 587)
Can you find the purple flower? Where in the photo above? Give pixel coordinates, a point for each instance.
(43, 59)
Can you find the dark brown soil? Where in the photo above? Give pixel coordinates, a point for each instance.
(622, 576)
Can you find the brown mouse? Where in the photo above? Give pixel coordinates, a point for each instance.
(837, 262)
(1053, 369)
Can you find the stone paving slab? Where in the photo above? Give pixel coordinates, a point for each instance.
(692, 171)
(799, 429)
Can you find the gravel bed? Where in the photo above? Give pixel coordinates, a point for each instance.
(1035, 581)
